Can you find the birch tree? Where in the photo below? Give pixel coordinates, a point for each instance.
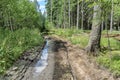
(82, 16)
(78, 8)
(95, 36)
(111, 20)
(69, 13)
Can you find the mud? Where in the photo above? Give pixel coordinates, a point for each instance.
(65, 62)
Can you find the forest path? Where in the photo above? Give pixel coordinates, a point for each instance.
(80, 65)
(65, 62)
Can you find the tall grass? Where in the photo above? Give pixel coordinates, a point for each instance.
(12, 44)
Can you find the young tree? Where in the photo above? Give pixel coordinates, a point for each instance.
(95, 36)
(82, 16)
(111, 20)
(78, 8)
(69, 13)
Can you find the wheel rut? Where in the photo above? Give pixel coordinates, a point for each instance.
(63, 61)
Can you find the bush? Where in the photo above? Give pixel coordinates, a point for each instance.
(12, 44)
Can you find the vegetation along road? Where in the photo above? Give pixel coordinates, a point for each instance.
(59, 40)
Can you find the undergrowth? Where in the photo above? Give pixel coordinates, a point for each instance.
(110, 60)
(73, 35)
(114, 44)
(12, 45)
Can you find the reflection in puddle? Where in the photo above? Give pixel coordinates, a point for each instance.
(42, 63)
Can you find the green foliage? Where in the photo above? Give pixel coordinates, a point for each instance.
(17, 14)
(81, 38)
(113, 32)
(49, 25)
(73, 35)
(12, 44)
(81, 41)
(114, 44)
(111, 61)
(67, 32)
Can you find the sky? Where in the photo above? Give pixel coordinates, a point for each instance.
(42, 5)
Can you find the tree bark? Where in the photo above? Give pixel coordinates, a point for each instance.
(111, 20)
(69, 13)
(82, 16)
(51, 11)
(64, 16)
(95, 36)
(77, 14)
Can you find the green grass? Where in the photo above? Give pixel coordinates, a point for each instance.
(113, 32)
(107, 59)
(114, 44)
(110, 60)
(73, 35)
(66, 32)
(79, 40)
(12, 45)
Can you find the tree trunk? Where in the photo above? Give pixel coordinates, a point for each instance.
(64, 16)
(117, 25)
(95, 36)
(82, 16)
(77, 14)
(111, 20)
(102, 25)
(69, 13)
(51, 11)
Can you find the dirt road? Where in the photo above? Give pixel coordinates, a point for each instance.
(64, 62)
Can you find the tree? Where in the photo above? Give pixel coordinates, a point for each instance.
(82, 16)
(69, 13)
(78, 7)
(111, 20)
(95, 36)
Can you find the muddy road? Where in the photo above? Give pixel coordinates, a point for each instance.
(58, 60)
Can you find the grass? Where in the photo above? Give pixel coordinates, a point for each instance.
(113, 32)
(110, 60)
(81, 41)
(12, 45)
(73, 35)
(114, 44)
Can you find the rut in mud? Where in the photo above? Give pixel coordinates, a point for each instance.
(63, 61)
(72, 63)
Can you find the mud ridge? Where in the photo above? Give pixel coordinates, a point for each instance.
(17, 71)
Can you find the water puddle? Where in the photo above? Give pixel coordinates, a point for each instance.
(42, 63)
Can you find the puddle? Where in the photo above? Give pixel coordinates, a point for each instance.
(42, 63)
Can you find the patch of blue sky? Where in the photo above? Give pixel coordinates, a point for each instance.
(42, 5)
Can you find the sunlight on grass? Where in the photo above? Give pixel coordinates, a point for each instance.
(113, 32)
(114, 44)
(75, 36)
(80, 40)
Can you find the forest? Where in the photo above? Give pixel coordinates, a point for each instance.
(69, 40)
